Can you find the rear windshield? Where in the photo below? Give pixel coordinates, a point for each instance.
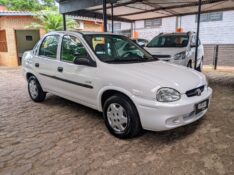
(169, 41)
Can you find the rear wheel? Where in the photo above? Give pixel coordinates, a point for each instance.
(35, 91)
(121, 117)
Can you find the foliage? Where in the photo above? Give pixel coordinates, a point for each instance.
(46, 11)
(28, 5)
(52, 21)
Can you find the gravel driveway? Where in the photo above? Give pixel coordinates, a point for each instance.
(62, 137)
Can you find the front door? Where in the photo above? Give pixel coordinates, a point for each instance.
(76, 81)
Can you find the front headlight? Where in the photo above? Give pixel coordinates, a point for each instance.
(180, 56)
(167, 95)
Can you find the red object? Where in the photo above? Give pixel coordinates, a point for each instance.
(135, 35)
(3, 8)
(179, 30)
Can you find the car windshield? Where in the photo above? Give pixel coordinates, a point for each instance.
(116, 49)
(169, 41)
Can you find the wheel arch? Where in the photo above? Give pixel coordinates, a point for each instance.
(28, 75)
(106, 92)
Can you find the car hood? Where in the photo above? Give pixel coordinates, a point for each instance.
(159, 74)
(165, 50)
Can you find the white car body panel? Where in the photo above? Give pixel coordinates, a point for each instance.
(172, 51)
(139, 81)
(165, 51)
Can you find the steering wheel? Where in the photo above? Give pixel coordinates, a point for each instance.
(127, 54)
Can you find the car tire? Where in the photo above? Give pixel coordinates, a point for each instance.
(35, 91)
(121, 117)
(189, 64)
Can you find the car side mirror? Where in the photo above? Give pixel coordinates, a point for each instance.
(141, 44)
(192, 45)
(84, 61)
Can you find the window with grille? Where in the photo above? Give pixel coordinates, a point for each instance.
(3, 41)
(214, 16)
(117, 26)
(149, 23)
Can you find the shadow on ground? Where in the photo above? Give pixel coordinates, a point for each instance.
(62, 137)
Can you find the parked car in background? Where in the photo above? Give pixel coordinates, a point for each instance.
(141, 42)
(178, 48)
(132, 89)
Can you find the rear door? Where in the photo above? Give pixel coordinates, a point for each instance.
(46, 62)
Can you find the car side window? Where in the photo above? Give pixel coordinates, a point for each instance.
(49, 47)
(72, 48)
(36, 47)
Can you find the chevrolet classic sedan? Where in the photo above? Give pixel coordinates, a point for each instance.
(133, 90)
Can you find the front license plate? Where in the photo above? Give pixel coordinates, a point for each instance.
(199, 107)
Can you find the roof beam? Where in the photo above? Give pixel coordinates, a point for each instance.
(119, 5)
(171, 7)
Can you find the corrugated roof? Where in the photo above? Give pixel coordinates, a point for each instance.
(134, 10)
(83, 18)
(16, 13)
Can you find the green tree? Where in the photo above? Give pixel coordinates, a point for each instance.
(48, 3)
(52, 21)
(28, 5)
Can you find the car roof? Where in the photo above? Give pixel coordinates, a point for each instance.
(181, 33)
(176, 33)
(81, 33)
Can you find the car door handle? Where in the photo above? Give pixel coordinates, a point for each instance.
(36, 64)
(60, 69)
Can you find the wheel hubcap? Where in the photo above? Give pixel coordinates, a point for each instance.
(33, 89)
(117, 117)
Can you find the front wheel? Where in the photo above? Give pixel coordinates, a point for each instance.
(35, 91)
(189, 64)
(121, 117)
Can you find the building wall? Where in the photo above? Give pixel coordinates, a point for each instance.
(10, 24)
(215, 32)
(22, 43)
(92, 26)
(168, 25)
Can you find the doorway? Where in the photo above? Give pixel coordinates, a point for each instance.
(25, 40)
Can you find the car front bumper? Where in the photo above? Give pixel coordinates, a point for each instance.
(157, 116)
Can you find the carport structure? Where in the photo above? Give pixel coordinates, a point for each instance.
(135, 10)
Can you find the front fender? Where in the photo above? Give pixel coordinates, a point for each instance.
(106, 88)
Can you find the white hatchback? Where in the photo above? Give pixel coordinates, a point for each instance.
(130, 87)
(177, 48)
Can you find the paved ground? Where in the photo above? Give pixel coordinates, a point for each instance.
(61, 137)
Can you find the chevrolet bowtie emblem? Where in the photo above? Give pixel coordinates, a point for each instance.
(198, 91)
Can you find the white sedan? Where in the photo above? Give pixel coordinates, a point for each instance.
(131, 88)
